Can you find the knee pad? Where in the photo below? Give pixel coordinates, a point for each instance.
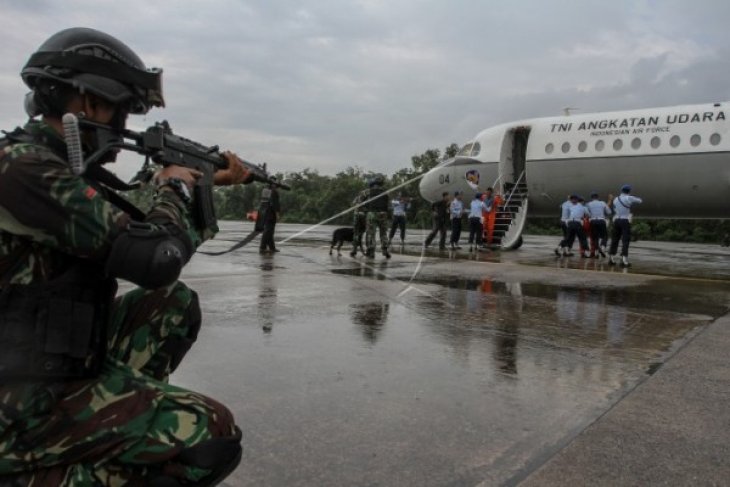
(148, 255)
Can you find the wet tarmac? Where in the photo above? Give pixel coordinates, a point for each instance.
(435, 369)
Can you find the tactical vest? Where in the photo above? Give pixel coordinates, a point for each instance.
(380, 203)
(54, 330)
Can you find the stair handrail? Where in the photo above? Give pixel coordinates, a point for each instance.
(506, 204)
(494, 185)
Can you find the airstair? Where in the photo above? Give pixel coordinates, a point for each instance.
(511, 216)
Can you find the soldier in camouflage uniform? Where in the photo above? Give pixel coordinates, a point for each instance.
(376, 218)
(358, 222)
(84, 392)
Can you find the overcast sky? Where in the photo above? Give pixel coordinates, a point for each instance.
(328, 84)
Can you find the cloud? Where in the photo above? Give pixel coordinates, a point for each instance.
(369, 83)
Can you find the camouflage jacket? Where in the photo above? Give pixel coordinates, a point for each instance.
(50, 217)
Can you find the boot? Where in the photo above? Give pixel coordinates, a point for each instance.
(625, 261)
(583, 255)
(611, 260)
(353, 253)
(567, 252)
(558, 250)
(386, 254)
(602, 251)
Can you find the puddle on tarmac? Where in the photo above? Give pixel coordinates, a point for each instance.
(636, 325)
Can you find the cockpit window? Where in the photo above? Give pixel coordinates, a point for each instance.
(466, 150)
(471, 149)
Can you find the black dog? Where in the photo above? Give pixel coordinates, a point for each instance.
(342, 235)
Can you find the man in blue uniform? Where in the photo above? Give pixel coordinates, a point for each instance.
(622, 225)
(599, 211)
(476, 229)
(564, 217)
(456, 211)
(400, 206)
(575, 225)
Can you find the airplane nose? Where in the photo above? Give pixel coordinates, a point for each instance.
(428, 186)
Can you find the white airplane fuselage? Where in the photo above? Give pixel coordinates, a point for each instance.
(677, 159)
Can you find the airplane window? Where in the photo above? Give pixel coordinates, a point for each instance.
(674, 141)
(715, 139)
(636, 143)
(549, 148)
(656, 142)
(565, 147)
(617, 144)
(582, 146)
(695, 140)
(475, 149)
(600, 145)
(466, 150)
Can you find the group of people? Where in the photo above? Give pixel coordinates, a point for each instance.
(449, 212)
(579, 217)
(372, 210)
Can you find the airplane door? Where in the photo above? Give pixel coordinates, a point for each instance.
(519, 151)
(512, 161)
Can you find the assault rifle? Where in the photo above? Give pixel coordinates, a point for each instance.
(160, 146)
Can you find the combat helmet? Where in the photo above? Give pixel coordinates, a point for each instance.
(94, 62)
(376, 180)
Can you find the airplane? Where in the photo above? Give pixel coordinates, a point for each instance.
(677, 159)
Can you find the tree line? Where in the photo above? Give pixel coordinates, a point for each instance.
(315, 197)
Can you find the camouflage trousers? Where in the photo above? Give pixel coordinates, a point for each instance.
(376, 220)
(128, 424)
(358, 229)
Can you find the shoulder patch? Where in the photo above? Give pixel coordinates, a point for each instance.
(89, 192)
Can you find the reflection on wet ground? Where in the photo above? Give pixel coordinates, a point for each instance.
(435, 372)
(371, 317)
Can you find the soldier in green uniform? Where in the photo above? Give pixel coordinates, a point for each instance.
(359, 224)
(84, 392)
(376, 218)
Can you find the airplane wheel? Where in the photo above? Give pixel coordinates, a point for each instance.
(517, 244)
